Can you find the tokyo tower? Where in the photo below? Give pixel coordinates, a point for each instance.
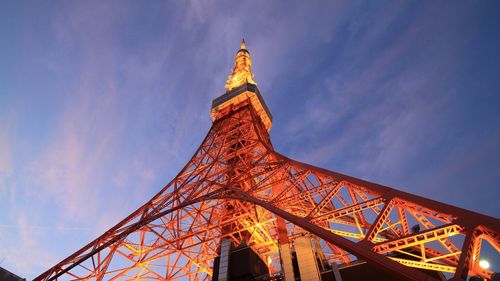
(239, 210)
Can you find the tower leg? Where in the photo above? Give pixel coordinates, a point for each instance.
(286, 262)
(285, 251)
(225, 249)
(306, 259)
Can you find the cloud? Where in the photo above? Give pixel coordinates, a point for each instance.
(363, 98)
(24, 252)
(82, 139)
(6, 149)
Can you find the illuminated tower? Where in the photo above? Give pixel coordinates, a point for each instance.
(294, 220)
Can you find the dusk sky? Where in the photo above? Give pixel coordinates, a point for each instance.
(102, 103)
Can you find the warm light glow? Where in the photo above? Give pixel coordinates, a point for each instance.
(484, 264)
(242, 72)
(242, 75)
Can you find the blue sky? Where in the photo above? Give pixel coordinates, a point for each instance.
(101, 103)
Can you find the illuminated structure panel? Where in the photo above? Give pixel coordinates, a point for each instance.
(236, 189)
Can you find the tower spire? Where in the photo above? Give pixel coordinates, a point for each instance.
(241, 89)
(242, 72)
(243, 44)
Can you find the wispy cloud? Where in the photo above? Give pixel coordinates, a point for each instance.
(66, 169)
(364, 100)
(24, 252)
(6, 149)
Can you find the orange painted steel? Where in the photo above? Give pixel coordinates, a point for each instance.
(237, 186)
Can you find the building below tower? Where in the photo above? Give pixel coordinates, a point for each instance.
(307, 263)
(6, 275)
(238, 263)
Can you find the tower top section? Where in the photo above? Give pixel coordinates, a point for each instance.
(241, 89)
(242, 72)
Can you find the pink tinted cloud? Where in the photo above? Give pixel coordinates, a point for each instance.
(77, 152)
(89, 125)
(7, 144)
(5, 163)
(26, 253)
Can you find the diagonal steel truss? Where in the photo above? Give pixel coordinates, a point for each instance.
(237, 186)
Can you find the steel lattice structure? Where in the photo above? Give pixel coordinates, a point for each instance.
(237, 186)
